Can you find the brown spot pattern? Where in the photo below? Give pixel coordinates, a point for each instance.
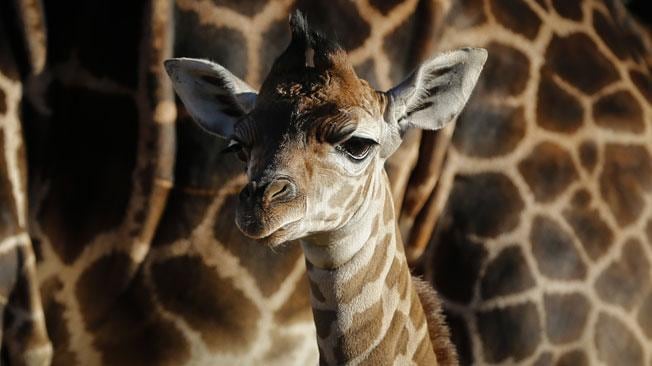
(645, 316)
(460, 337)
(466, 14)
(615, 344)
(573, 358)
(643, 83)
(3, 102)
(209, 304)
(390, 343)
(588, 155)
(592, 231)
(275, 38)
(613, 37)
(369, 273)
(363, 330)
(324, 319)
(487, 130)
(625, 280)
(581, 198)
(577, 60)
(198, 40)
(619, 111)
(548, 171)
(506, 71)
(109, 273)
(486, 204)
(522, 339)
(626, 173)
(145, 338)
(297, 307)
(384, 6)
(316, 292)
(508, 273)
(422, 353)
(461, 259)
(544, 359)
(90, 167)
(183, 212)
(556, 109)
(282, 345)
(516, 16)
(349, 22)
(568, 9)
(367, 71)
(554, 251)
(566, 316)
(248, 8)
(10, 266)
(405, 44)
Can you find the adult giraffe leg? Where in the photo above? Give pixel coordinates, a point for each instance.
(23, 334)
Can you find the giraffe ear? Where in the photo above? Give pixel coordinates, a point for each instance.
(437, 91)
(214, 97)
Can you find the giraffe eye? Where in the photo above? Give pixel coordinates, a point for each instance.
(238, 148)
(357, 148)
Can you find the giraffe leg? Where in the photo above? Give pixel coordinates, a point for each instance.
(418, 213)
(26, 337)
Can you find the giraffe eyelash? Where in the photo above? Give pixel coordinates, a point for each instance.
(357, 148)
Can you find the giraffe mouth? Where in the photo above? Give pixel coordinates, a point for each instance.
(274, 236)
(280, 235)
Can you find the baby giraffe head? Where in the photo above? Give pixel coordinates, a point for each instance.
(315, 137)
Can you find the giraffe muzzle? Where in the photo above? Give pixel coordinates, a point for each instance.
(266, 209)
(278, 190)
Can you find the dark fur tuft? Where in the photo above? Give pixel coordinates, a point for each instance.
(305, 38)
(437, 328)
(299, 29)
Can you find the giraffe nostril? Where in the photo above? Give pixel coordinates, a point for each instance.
(247, 191)
(280, 189)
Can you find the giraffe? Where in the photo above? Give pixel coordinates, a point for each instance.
(128, 210)
(22, 328)
(542, 248)
(66, 81)
(314, 140)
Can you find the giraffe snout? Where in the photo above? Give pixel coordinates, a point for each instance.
(277, 190)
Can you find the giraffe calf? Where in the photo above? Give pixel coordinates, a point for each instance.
(314, 140)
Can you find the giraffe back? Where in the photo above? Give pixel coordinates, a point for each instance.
(543, 243)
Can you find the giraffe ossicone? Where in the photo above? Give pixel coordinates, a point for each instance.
(314, 140)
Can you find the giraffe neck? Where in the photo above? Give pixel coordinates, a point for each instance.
(365, 306)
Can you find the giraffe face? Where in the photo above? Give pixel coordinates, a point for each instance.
(315, 135)
(306, 167)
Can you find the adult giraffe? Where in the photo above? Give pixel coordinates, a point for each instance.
(123, 100)
(543, 246)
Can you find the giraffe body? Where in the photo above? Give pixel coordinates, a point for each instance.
(543, 205)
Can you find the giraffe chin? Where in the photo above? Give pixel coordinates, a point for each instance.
(274, 237)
